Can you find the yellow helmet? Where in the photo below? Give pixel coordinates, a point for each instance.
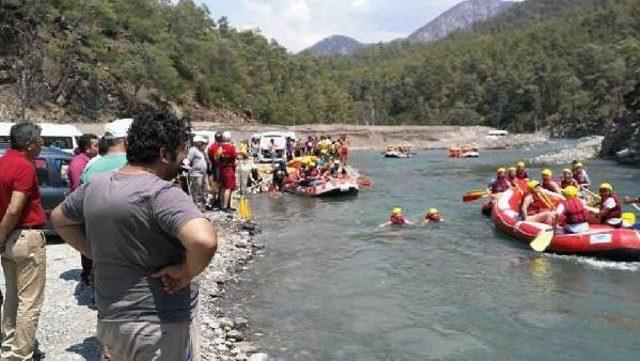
(606, 186)
(396, 211)
(547, 172)
(579, 165)
(570, 192)
(512, 169)
(312, 164)
(520, 165)
(501, 169)
(567, 170)
(432, 211)
(532, 184)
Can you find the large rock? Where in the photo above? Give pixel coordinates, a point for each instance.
(622, 140)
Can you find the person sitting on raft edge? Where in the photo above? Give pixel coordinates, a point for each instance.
(537, 206)
(548, 183)
(521, 171)
(500, 183)
(432, 216)
(580, 175)
(610, 208)
(396, 219)
(573, 211)
(567, 179)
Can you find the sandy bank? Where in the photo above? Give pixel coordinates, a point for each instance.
(378, 137)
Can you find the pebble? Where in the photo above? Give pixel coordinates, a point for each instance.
(245, 347)
(240, 322)
(236, 335)
(222, 348)
(219, 277)
(225, 322)
(259, 357)
(241, 357)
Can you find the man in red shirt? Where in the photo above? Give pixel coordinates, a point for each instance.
(214, 152)
(227, 163)
(22, 242)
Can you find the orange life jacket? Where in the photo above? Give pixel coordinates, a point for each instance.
(538, 205)
(574, 211)
(397, 220)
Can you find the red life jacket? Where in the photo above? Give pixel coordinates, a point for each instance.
(522, 174)
(500, 185)
(574, 211)
(549, 185)
(537, 206)
(397, 220)
(564, 183)
(579, 178)
(615, 212)
(433, 218)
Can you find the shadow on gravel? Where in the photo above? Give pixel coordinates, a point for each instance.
(83, 293)
(71, 275)
(89, 349)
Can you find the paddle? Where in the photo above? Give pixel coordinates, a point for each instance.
(542, 241)
(470, 197)
(628, 219)
(635, 206)
(364, 182)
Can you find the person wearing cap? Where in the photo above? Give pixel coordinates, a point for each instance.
(537, 205)
(196, 164)
(610, 208)
(432, 216)
(116, 156)
(580, 175)
(548, 183)
(521, 171)
(396, 218)
(500, 183)
(573, 211)
(227, 163)
(567, 179)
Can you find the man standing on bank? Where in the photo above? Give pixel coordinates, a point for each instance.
(22, 243)
(148, 241)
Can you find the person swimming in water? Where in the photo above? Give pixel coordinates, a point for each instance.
(432, 216)
(396, 219)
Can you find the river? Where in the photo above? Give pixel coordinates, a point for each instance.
(333, 286)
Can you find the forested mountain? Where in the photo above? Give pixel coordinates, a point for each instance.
(335, 45)
(564, 64)
(461, 16)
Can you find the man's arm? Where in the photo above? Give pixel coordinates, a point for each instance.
(200, 240)
(12, 216)
(70, 231)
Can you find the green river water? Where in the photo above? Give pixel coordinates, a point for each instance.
(333, 286)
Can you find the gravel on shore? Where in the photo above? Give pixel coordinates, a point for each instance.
(67, 325)
(586, 148)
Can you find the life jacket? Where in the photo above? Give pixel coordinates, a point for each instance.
(227, 158)
(432, 218)
(397, 220)
(615, 212)
(537, 206)
(574, 211)
(499, 185)
(579, 178)
(564, 183)
(522, 174)
(549, 185)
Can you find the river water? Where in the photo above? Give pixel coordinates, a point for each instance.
(333, 286)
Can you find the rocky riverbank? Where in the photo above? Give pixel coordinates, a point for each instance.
(67, 328)
(586, 148)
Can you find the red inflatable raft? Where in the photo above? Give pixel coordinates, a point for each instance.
(601, 241)
(333, 187)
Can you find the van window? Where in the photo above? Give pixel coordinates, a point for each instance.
(42, 171)
(58, 142)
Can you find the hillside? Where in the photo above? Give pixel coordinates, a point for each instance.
(461, 16)
(335, 45)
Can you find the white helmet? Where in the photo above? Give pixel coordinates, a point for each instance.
(199, 138)
(226, 136)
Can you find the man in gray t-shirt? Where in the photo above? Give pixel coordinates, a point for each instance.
(197, 164)
(147, 240)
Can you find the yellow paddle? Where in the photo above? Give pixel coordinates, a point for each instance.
(628, 219)
(542, 241)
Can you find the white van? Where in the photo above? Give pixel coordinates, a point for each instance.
(62, 136)
(496, 134)
(280, 144)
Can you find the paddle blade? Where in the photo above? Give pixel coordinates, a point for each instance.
(482, 191)
(473, 197)
(542, 241)
(628, 219)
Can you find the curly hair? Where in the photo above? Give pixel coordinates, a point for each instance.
(151, 131)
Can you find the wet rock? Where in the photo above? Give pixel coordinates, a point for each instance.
(241, 322)
(259, 357)
(225, 322)
(235, 335)
(257, 245)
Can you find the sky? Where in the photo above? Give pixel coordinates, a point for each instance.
(298, 24)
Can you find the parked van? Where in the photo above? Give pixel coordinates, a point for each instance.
(61, 136)
(496, 134)
(280, 145)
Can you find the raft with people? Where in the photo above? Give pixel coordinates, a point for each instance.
(403, 151)
(599, 240)
(466, 151)
(331, 188)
